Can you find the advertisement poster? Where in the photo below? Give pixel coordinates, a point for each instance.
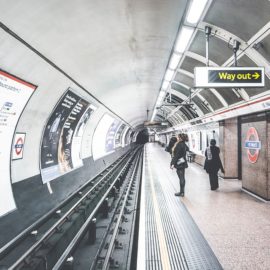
(77, 138)
(195, 141)
(130, 137)
(109, 145)
(101, 135)
(124, 135)
(127, 137)
(118, 136)
(60, 149)
(14, 95)
(134, 137)
(17, 147)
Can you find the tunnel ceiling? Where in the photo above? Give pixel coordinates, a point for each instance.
(119, 50)
(246, 21)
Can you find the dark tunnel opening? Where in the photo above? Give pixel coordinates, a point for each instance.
(142, 137)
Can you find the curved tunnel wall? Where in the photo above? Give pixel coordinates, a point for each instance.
(32, 197)
(34, 200)
(18, 60)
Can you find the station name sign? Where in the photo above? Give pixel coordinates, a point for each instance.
(229, 77)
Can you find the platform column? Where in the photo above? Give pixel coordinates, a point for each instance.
(228, 143)
(255, 129)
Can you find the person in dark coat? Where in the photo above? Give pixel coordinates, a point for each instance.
(213, 164)
(179, 161)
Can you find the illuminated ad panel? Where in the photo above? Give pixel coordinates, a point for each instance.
(101, 143)
(118, 136)
(109, 146)
(62, 138)
(134, 136)
(124, 135)
(14, 95)
(195, 141)
(130, 137)
(127, 137)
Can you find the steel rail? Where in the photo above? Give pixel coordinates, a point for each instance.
(117, 205)
(80, 233)
(8, 246)
(106, 263)
(60, 221)
(135, 215)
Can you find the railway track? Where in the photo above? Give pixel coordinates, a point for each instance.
(118, 245)
(48, 243)
(116, 250)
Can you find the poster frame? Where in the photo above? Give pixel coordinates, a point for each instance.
(47, 120)
(15, 128)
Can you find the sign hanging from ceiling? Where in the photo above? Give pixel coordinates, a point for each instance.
(229, 77)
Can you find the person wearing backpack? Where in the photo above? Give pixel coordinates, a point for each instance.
(213, 164)
(179, 161)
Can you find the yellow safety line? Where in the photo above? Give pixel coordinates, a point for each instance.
(165, 261)
(141, 262)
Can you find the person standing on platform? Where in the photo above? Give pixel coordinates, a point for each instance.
(179, 161)
(213, 164)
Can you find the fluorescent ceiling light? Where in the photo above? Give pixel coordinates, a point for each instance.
(165, 85)
(160, 97)
(174, 61)
(196, 10)
(162, 94)
(183, 39)
(169, 74)
(154, 114)
(159, 101)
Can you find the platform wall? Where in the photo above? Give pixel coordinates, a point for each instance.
(255, 175)
(34, 200)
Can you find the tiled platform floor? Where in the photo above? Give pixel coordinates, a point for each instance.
(235, 224)
(169, 239)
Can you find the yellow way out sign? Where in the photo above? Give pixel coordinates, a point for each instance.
(229, 77)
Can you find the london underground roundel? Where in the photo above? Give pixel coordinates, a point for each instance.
(17, 152)
(19, 146)
(252, 144)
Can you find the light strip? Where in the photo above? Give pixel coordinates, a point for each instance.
(195, 11)
(165, 85)
(174, 61)
(162, 94)
(154, 114)
(169, 74)
(183, 39)
(160, 97)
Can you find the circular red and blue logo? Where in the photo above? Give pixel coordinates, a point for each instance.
(19, 146)
(252, 144)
